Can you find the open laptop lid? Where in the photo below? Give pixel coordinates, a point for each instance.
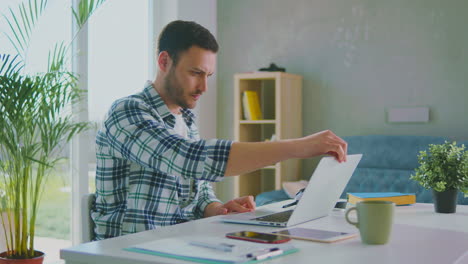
(324, 189)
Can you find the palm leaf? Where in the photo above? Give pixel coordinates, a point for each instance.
(9, 65)
(85, 9)
(56, 58)
(22, 23)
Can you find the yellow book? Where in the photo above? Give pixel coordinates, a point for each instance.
(253, 105)
(245, 107)
(397, 198)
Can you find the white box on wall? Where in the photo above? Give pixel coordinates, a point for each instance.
(408, 114)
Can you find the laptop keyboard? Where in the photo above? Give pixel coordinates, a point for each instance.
(276, 218)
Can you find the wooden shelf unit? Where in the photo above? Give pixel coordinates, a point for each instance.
(280, 97)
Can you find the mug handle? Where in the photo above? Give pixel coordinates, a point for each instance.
(347, 219)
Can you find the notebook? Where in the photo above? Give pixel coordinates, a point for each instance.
(396, 197)
(324, 189)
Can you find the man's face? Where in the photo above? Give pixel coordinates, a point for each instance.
(188, 80)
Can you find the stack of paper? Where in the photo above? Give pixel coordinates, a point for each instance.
(184, 248)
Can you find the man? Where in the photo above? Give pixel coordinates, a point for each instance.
(152, 168)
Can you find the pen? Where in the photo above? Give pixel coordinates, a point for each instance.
(264, 253)
(221, 246)
(291, 204)
(269, 254)
(296, 199)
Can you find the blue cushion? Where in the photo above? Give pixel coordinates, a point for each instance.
(390, 152)
(271, 197)
(463, 143)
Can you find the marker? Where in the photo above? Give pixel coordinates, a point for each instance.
(221, 246)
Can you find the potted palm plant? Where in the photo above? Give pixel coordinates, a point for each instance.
(444, 169)
(34, 125)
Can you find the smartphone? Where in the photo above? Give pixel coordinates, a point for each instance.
(258, 237)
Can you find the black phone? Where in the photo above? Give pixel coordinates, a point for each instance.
(258, 237)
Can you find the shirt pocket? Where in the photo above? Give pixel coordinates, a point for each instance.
(187, 191)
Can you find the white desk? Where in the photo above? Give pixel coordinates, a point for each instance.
(419, 236)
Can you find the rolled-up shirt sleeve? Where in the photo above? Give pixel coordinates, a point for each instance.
(206, 196)
(140, 135)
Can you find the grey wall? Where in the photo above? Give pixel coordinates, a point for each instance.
(358, 58)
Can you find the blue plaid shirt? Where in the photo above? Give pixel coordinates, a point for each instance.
(148, 176)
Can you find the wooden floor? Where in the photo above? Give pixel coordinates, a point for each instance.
(51, 247)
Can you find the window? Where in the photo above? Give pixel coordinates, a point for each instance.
(118, 60)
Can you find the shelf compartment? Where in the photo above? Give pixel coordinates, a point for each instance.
(254, 122)
(250, 183)
(256, 182)
(266, 92)
(256, 132)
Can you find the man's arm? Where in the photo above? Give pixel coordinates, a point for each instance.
(249, 156)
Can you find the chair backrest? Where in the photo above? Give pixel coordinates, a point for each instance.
(88, 201)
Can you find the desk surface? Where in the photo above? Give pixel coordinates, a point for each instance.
(419, 236)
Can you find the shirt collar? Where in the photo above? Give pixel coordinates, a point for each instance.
(158, 104)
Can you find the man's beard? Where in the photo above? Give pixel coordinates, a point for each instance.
(174, 90)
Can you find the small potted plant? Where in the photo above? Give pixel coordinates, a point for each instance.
(444, 169)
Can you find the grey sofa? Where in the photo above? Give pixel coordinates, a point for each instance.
(386, 165)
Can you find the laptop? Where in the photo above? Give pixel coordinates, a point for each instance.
(320, 196)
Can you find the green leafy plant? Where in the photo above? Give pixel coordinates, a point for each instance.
(443, 167)
(35, 122)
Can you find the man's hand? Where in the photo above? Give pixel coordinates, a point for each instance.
(325, 142)
(238, 205)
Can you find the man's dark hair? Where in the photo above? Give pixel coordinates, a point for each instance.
(178, 36)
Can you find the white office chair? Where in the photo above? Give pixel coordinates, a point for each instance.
(88, 202)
